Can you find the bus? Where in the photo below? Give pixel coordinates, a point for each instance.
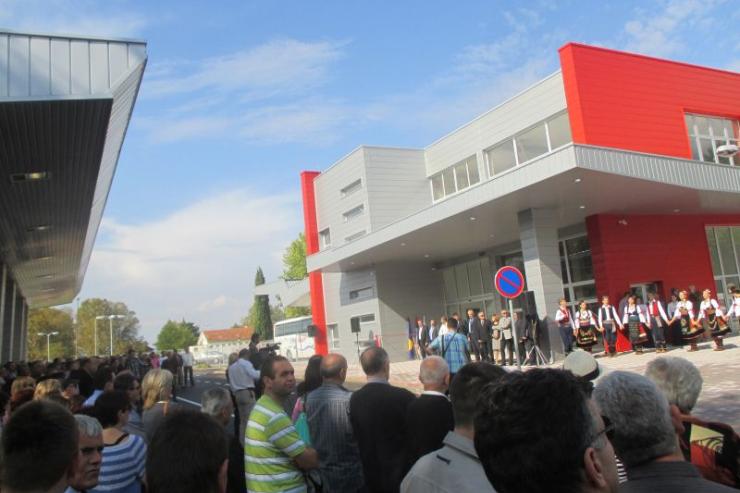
(292, 334)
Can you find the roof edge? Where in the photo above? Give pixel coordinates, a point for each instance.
(71, 36)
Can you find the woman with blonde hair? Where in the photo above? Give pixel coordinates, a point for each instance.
(22, 383)
(46, 387)
(156, 391)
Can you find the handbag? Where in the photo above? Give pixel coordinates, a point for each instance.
(301, 424)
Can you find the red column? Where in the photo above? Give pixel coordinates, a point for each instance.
(315, 281)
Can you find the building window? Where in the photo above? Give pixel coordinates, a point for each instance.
(354, 213)
(706, 134)
(361, 294)
(577, 272)
(367, 319)
(333, 333)
(530, 144)
(351, 188)
(724, 249)
(355, 236)
(324, 238)
(456, 178)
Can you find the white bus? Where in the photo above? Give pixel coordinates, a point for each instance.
(292, 334)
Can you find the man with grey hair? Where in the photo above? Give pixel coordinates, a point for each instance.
(90, 455)
(216, 403)
(429, 418)
(327, 412)
(645, 439)
(714, 448)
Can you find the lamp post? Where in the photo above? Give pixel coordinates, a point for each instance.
(110, 319)
(99, 317)
(48, 336)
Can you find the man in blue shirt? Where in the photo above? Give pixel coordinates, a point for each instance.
(453, 347)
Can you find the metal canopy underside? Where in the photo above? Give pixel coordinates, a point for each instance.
(65, 139)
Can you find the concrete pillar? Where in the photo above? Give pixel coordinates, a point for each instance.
(3, 282)
(539, 238)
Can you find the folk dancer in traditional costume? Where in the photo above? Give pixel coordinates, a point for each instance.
(634, 318)
(585, 327)
(565, 324)
(608, 321)
(685, 314)
(711, 315)
(734, 311)
(658, 321)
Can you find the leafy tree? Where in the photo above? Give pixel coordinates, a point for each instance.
(259, 314)
(176, 335)
(45, 320)
(193, 328)
(125, 329)
(294, 259)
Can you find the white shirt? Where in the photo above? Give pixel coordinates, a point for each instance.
(687, 305)
(563, 314)
(242, 375)
(628, 310)
(661, 311)
(735, 307)
(705, 306)
(187, 359)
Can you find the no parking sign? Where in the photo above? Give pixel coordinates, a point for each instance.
(509, 282)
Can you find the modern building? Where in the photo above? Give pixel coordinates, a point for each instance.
(65, 105)
(223, 341)
(602, 178)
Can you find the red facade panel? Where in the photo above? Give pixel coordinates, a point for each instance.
(633, 102)
(315, 281)
(671, 250)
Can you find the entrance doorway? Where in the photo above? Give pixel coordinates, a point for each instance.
(642, 290)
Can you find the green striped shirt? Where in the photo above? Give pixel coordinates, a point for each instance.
(271, 442)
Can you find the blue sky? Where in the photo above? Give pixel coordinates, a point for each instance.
(240, 96)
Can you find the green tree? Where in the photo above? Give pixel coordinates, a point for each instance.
(194, 329)
(45, 320)
(92, 317)
(175, 335)
(294, 259)
(259, 314)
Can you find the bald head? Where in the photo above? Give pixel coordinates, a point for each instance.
(334, 367)
(434, 373)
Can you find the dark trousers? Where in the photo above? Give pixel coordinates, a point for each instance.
(610, 335)
(507, 346)
(485, 349)
(658, 328)
(566, 335)
(188, 370)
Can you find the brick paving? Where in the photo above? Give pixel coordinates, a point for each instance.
(719, 400)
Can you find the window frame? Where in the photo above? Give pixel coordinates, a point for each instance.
(322, 243)
(695, 137)
(351, 189)
(350, 215)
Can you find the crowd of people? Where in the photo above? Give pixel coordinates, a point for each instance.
(475, 427)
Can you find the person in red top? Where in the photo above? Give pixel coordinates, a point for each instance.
(658, 321)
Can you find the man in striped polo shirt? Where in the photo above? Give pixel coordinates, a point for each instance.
(275, 455)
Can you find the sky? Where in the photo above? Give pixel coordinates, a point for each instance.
(239, 97)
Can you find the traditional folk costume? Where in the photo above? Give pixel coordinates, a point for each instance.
(691, 332)
(734, 312)
(585, 329)
(634, 319)
(711, 315)
(658, 324)
(565, 324)
(608, 321)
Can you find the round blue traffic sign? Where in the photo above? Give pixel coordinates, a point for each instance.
(509, 282)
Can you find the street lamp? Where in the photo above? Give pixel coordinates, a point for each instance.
(48, 336)
(110, 318)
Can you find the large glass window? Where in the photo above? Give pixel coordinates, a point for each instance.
(558, 128)
(531, 144)
(577, 271)
(724, 249)
(707, 133)
(501, 157)
(455, 178)
(467, 284)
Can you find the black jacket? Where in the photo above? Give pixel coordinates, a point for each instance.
(378, 417)
(428, 419)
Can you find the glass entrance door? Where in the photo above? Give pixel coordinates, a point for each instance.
(642, 290)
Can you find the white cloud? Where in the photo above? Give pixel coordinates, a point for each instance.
(197, 263)
(80, 17)
(276, 67)
(661, 32)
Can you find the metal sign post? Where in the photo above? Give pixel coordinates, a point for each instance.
(509, 282)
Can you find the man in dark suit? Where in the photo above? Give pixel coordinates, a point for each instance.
(422, 332)
(378, 416)
(429, 418)
(475, 332)
(484, 336)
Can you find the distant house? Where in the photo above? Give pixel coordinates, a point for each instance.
(224, 341)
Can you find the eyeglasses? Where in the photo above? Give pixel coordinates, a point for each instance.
(608, 430)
